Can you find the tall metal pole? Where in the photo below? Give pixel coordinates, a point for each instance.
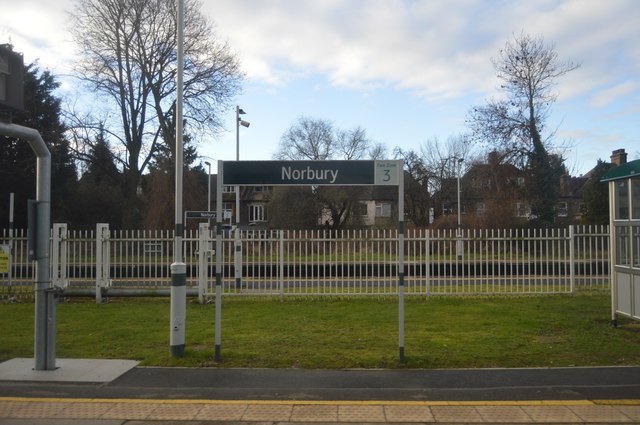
(459, 232)
(401, 290)
(178, 267)
(218, 313)
(237, 188)
(237, 241)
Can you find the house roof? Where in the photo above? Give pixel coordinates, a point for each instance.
(624, 171)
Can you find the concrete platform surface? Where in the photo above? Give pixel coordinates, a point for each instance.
(67, 370)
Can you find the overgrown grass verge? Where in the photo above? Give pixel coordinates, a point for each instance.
(341, 333)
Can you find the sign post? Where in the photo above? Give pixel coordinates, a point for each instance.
(311, 173)
(5, 251)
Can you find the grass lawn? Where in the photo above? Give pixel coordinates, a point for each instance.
(341, 333)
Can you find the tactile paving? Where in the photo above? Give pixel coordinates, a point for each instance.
(360, 413)
(222, 412)
(267, 412)
(315, 413)
(407, 413)
(456, 414)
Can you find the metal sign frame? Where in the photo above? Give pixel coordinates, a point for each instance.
(310, 173)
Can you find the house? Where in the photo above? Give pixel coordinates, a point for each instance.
(377, 205)
(498, 189)
(253, 203)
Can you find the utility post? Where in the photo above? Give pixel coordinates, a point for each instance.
(178, 267)
(237, 240)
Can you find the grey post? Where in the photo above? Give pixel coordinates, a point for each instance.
(45, 309)
(218, 314)
(178, 267)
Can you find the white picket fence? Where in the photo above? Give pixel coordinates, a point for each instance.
(322, 263)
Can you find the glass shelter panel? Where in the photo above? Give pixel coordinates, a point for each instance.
(622, 200)
(635, 248)
(623, 246)
(635, 199)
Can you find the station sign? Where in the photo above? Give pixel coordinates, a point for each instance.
(206, 214)
(311, 173)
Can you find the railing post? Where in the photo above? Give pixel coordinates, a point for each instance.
(281, 265)
(204, 250)
(59, 256)
(572, 259)
(103, 253)
(427, 251)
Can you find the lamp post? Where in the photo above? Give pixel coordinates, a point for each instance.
(178, 267)
(237, 241)
(239, 122)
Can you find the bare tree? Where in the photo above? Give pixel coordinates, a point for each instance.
(316, 140)
(516, 125)
(310, 139)
(429, 175)
(128, 58)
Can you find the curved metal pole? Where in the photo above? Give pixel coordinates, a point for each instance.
(45, 309)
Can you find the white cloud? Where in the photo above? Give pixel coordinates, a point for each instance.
(604, 98)
(438, 50)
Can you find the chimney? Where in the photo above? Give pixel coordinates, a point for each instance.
(618, 157)
(564, 185)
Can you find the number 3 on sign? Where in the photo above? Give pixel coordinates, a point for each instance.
(386, 172)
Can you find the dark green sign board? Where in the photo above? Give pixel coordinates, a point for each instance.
(311, 173)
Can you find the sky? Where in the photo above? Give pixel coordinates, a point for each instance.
(407, 71)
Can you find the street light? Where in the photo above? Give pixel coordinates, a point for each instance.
(237, 241)
(239, 122)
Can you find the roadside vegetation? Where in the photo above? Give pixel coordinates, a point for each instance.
(451, 332)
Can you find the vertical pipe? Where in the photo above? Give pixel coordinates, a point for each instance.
(178, 267)
(45, 306)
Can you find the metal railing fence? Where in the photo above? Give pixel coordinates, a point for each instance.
(325, 263)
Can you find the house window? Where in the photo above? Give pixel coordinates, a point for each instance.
(362, 209)
(383, 210)
(562, 209)
(260, 189)
(257, 212)
(520, 181)
(481, 208)
(522, 210)
(228, 189)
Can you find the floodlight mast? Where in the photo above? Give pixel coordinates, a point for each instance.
(237, 239)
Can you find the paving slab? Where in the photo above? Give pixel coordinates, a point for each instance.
(67, 370)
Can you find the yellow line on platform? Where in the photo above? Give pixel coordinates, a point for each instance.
(328, 402)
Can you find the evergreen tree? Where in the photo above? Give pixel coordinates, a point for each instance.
(18, 162)
(100, 197)
(596, 196)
